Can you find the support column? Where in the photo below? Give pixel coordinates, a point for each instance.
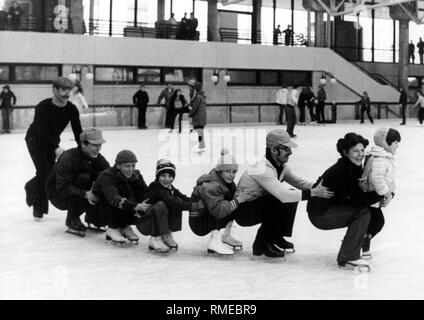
(328, 31)
(319, 29)
(213, 21)
(308, 32)
(403, 54)
(91, 22)
(256, 21)
(161, 10)
(77, 16)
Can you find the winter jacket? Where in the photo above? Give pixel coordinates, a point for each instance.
(321, 95)
(6, 99)
(281, 96)
(141, 98)
(263, 177)
(420, 101)
(69, 166)
(198, 110)
(293, 97)
(183, 103)
(342, 178)
(118, 191)
(382, 174)
(173, 198)
(166, 94)
(217, 196)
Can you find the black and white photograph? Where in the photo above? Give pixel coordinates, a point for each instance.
(224, 152)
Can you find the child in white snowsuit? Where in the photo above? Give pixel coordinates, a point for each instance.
(379, 176)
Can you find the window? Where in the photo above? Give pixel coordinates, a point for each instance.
(36, 73)
(242, 76)
(4, 73)
(301, 78)
(269, 77)
(148, 75)
(181, 74)
(114, 75)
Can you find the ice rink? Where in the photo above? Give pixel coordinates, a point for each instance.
(40, 261)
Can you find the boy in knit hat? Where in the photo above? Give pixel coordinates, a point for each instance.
(379, 176)
(120, 190)
(216, 190)
(171, 201)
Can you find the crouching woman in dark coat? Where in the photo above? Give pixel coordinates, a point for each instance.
(349, 207)
(120, 190)
(172, 202)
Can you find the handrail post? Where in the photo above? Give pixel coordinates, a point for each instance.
(94, 116)
(379, 111)
(131, 115)
(387, 111)
(259, 113)
(334, 112)
(231, 113)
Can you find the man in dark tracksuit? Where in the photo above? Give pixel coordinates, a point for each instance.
(403, 101)
(140, 100)
(70, 181)
(7, 101)
(43, 137)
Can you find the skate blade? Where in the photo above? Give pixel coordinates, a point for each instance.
(234, 247)
(366, 256)
(108, 238)
(355, 269)
(97, 229)
(76, 233)
(153, 250)
(213, 253)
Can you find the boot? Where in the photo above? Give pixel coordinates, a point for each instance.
(285, 245)
(269, 250)
(75, 226)
(156, 244)
(216, 245)
(169, 241)
(366, 243)
(359, 264)
(114, 235)
(228, 239)
(128, 233)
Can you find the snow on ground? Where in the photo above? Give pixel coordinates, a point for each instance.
(40, 261)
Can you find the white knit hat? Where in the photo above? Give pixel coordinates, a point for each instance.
(226, 161)
(380, 137)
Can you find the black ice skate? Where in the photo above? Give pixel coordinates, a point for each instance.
(366, 244)
(75, 227)
(95, 228)
(285, 245)
(359, 265)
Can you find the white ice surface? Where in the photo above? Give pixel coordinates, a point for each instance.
(38, 260)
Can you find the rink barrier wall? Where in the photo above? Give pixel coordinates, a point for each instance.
(110, 116)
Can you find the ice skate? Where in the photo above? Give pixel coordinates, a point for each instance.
(128, 233)
(359, 265)
(285, 245)
(115, 236)
(75, 227)
(156, 244)
(366, 243)
(95, 228)
(37, 214)
(169, 241)
(216, 246)
(228, 239)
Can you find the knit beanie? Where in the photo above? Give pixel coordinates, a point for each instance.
(226, 161)
(125, 156)
(384, 137)
(165, 166)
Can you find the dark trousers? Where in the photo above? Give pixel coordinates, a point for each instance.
(180, 113)
(420, 115)
(403, 111)
(366, 109)
(142, 116)
(44, 159)
(421, 57)
(159, 220)
(311, 112)
(301, 112)
(412, 57)
(356, 220)
(5, 114)
(291, 119)
(168, 117)
(280, 116)
(320, 116)
(376, 222)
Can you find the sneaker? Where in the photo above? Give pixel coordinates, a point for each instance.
(156, 244)
(128, 233)
(169, 241)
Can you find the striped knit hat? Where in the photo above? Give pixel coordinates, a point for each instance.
(165, 166)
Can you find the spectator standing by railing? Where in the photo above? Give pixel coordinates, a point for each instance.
(288, 36)
(411, 50)
(303, 100)
(365, 106)
(292, 102)
(182, 29)
(321, 97)
(7, 102)
(167, 94)
(14, 14)
(191, 27)
(281, 100)
(403, 101)
(420, 46)
(420, 103)
(140, 100)
(277, 35)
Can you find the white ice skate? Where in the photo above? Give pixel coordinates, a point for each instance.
(216, 245)
(359, 265)
(169, 241)
(228, 239)
(115, 236)
(156, 244)
(128, 233)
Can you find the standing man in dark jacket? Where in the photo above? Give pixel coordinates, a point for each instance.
(69, 184)
(43, 137)
(403, 101)
(365, 106)
(14, 14)
(411, 52)
(420, 46)
(198, 114)
(7, 102)
(167, 94)
(140, 100)
(321, 97)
